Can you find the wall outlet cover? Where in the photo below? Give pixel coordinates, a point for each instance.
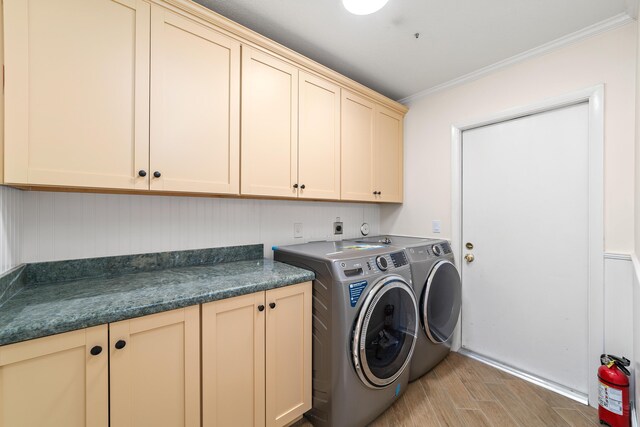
(338, 227)
(297, 230)
(435, 226)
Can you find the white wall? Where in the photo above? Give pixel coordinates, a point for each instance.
(606, 58)
(11, 226)
(636, 331)
(636, 283)
(618, 305)
(79, 225)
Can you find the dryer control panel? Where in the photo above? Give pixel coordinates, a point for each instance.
(436, 250)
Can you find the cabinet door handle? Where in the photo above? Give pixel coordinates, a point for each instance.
(142, 173)
(120, 344)
(302, 187)
(261, 307)
(157, 174)
(295, 185)
(272, 304)
(96, 350)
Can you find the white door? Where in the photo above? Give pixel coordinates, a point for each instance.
(525, 211)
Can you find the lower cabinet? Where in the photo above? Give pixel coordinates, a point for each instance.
(57, 381)
(139, 372)
(155, 370)
(256, 358)
(147, 371)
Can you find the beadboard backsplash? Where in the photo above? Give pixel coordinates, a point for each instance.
(59, 226)
(11, 228)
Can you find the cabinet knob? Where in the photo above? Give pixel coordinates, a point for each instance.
(261, 307)
(379, 193)
(95, 350)
(302, 186)
(295, 185)
(272, 304)
(142, 173)
(120, 344)
(157, 174)
(376, 192)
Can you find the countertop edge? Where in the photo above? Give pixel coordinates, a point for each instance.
(139, 311)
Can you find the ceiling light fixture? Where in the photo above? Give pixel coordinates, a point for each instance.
(363, 7)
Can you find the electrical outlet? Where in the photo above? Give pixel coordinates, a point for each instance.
(338, 227)
(297, 230)
(435, 226)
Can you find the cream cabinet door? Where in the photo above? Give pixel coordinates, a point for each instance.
(318, 138)
(358, 115)
(155, 370)
(269, 125)
(77, 92)
(288, 353)
(233, 388)
(195, 106)
(56, 381)
(387, 156)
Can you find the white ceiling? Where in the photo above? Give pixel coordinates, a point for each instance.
(380, 50)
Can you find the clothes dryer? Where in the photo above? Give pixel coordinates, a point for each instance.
(438, 289)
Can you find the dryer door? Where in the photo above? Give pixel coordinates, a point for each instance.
(385, 332)
(441, 301)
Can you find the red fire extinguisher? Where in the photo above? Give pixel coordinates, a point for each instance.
(613, 391)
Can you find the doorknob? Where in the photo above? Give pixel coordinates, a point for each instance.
(469, 258)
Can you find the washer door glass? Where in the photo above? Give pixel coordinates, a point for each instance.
(385, 332)
(441, 302)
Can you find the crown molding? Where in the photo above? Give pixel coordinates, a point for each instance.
(590, 31)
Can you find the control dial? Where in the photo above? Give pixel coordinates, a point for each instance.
(437, 250)
(382, 264)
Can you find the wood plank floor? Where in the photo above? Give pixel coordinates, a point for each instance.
(464, 392)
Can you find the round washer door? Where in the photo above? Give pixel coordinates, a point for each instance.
(385, 332)
(441, 301)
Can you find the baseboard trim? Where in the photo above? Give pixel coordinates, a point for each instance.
(549, 385)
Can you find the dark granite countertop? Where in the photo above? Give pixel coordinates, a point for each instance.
(41, 309)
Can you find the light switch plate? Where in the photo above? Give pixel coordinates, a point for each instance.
(435, 226)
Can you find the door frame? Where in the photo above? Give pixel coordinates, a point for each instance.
(594, 96)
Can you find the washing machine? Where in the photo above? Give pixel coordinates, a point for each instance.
(438, 289)
(365, 328)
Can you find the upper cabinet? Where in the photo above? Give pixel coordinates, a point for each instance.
(319, 138)
(387, 156)
(195, 107)
(372, 155)
(358, 119)
(120, 95)
(76, 92)
(269, 125)
(139, 96)
(290, 130)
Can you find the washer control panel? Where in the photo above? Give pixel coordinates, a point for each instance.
(363, 267)
(382, 263)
